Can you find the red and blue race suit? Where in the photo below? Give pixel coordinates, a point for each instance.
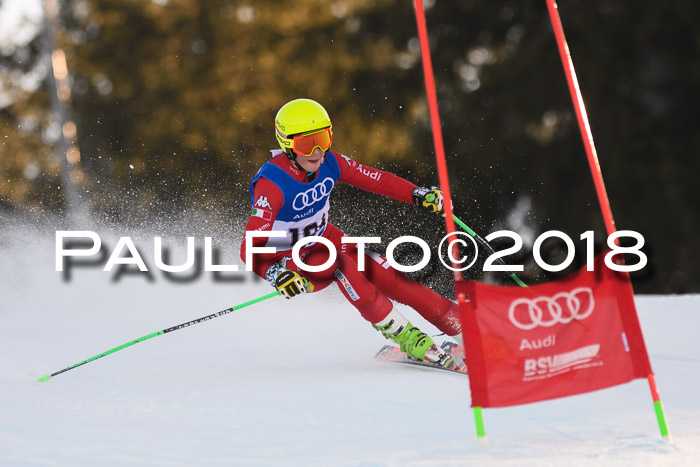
(291, 200)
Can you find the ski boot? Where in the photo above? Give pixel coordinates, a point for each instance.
(412, 341)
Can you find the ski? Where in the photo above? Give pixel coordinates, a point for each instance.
(392, 353)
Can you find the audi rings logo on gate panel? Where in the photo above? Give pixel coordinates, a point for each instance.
(563, 308)
(313, 195)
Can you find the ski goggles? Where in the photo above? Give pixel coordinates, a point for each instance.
(305, 144)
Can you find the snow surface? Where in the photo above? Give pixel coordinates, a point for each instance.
(287, 382)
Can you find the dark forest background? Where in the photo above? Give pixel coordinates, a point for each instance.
(173, 104)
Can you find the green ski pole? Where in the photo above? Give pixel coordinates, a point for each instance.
(486, 245)
(164, 331)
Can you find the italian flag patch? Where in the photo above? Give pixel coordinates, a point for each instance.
(262, 213)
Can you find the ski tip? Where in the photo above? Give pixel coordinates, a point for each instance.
(44, 378)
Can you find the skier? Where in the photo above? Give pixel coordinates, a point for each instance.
(290, 193)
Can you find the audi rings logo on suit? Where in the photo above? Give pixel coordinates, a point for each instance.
(313, 195)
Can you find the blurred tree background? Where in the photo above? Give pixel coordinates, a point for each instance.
(174, 100)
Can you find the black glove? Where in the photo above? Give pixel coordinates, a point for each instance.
(291, 283)
(430, 199)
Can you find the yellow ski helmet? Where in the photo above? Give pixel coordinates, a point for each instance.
(297, 118)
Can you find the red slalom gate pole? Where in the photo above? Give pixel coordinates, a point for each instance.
(441, 162)
(597, 174)
(581, 115)
(435, 118)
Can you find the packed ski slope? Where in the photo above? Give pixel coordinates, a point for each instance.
(286, 382)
